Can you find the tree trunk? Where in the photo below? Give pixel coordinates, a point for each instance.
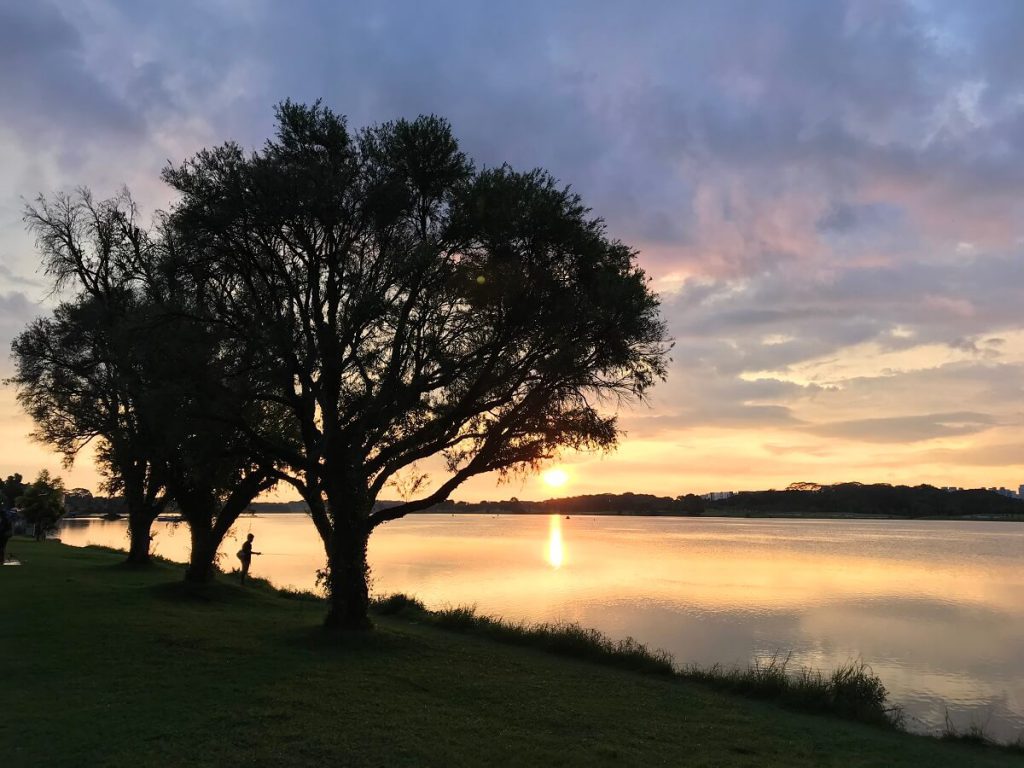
(348, 593)
(140, 525)
(321, 520)
(209, 522)
(202, 558)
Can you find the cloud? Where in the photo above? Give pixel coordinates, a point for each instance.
(48, 88)
(906, 429)
(16, 310)
(829, 195)
(724, 415)
(999, 455)
(14, 307)
(844, 217)
(9, 277)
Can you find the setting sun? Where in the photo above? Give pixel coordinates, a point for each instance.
(556, 478)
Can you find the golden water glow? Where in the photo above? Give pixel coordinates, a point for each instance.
(556, 477)
(556, 550)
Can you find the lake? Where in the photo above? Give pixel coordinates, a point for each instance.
(935, 607)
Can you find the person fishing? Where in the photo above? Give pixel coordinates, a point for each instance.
(245, 555)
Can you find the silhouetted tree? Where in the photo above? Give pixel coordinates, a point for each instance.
(213, 470)
(691, 504)
(77, 370)
(401, 304)
(126, 364)
(11, 489)
(42, 503)
(803, 486)
(874, 499)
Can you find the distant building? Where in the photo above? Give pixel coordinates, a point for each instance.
(718, 495)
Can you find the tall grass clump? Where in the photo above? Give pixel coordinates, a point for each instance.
(974, 733)
(563, 638)
(852, 690)
(977, 733)
(302, 595)
(397, 603)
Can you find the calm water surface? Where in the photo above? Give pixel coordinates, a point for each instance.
(936, 608)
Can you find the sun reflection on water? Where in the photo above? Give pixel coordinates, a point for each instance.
(556, 552)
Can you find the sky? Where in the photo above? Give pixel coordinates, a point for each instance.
(827, 197)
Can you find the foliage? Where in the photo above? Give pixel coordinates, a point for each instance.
(874, 499)
(851, 690)
(399, 603)
(78, 371)
(589, 504)
(42, 502)
(125, 364)
(400, 304)
(10, 489)
(691, 504)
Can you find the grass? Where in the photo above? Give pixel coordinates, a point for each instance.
(852, 690)
(976, 733)
(106, 666)
(563, 638)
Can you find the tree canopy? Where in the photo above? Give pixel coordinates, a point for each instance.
(330, 311)
(42, 503)
(399, 304)
(78, 371)
(10, 489)
(125, 363)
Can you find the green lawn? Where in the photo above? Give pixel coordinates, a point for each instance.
(112, 667)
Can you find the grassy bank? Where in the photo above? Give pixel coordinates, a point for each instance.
(851, 691)
(108, 666)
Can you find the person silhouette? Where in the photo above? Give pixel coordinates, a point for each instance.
(245, 555)
(6, 531)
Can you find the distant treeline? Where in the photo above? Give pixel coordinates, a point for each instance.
(856, 499)
(802, 499)
(79, 502)
(596, 504)
(843, 499)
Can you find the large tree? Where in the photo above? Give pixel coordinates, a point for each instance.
(403, 305)
(42, 503)
(129, 363)
(77, 370)
(199, 397)
(11, 489)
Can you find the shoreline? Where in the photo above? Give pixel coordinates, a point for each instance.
(742, 515)
(526, 698)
